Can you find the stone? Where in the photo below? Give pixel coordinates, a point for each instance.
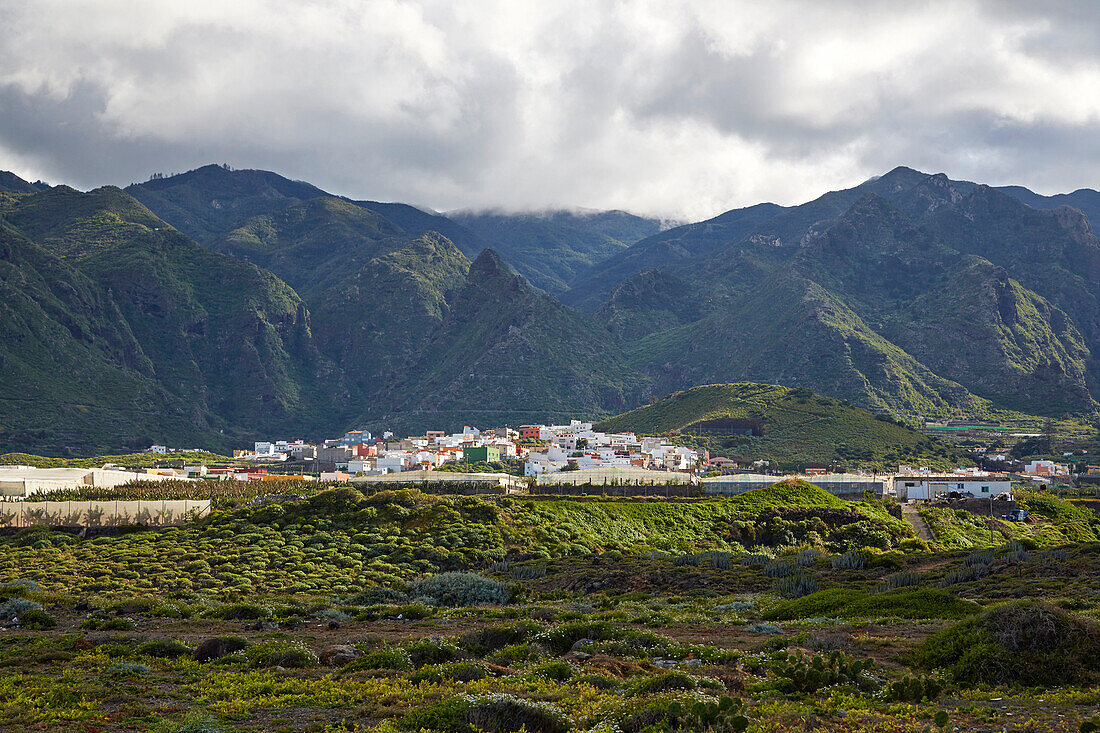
(337, 655)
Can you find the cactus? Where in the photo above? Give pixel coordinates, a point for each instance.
(799, 673)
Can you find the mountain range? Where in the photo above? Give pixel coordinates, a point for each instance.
(218, 305)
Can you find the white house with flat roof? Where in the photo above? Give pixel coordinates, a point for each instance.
(929, 487)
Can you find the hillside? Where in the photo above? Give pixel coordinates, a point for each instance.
(506, 353)
(550, 247)
(911, 292)
(175, 343)
(794, 426)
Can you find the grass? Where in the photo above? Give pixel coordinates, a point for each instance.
(921, 603)
(798, 428)
(627, 636)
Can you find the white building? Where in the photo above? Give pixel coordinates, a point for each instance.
(931, 487)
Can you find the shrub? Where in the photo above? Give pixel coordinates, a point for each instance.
(780, 569)
(491, 638)
(37, 619)
(445, 715)
(397, 659)
(17, 608)
(901, 580)
(806, 558)
(849, 561)
(427, 651)
(110, 624)
(558, 671)
(680, 714)
(851, 604)
(377, 595)
(737, 607)
(668, 682)
(457, 671)
(165, 648)
(528, 572)
(240, 612)
(1027, 642)
(460, 589)
(501, 713)
(965, 574)
(515, 653)
(915, 689)
(289, 654)
(597, 681)
(796, 586)
(799, 673)
(126, 669)
(337, 501)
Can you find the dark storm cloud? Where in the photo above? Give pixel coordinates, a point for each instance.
(681, 109)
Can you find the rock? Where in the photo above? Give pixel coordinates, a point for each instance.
(217, 648)
(579, 643)
(337, 655)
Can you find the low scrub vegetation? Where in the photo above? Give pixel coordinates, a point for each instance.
(402, 611)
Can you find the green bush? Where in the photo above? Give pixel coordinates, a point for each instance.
(288, 654)
(852, 604)
(667, 682)
(165, 648)
(457, 671)
(558, 671)
(397, 659)
(239, 612)
(901, 580)
(37, 619)
(915, 689)
(427, 651)
(497, 636)
(1028, 642)
(17, 608)
(460, 589)
(799, 673)
(849, 561)
(501, 713)
(109, 624)
(795, 586)
(516, 653)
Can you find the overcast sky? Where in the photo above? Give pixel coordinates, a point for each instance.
(681, 109)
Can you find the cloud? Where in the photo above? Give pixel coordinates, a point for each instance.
(679, 109)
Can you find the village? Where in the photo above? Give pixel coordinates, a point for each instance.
(567, 459)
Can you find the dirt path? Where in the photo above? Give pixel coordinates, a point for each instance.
(911, 512)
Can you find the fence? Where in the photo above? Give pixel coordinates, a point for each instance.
(101, 513)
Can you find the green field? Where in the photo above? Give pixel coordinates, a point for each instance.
(799, 428)
(402, 611)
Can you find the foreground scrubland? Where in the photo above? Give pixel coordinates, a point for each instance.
(782, 609)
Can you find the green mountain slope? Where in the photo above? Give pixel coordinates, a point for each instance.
(11, 183)
(550, 248)
(792, 331)
(958, 314)
(796, 426)
(506, 353)
(910, 292)
(72, 376)
(228, 341)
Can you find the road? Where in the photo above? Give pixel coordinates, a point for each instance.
(911, 512)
